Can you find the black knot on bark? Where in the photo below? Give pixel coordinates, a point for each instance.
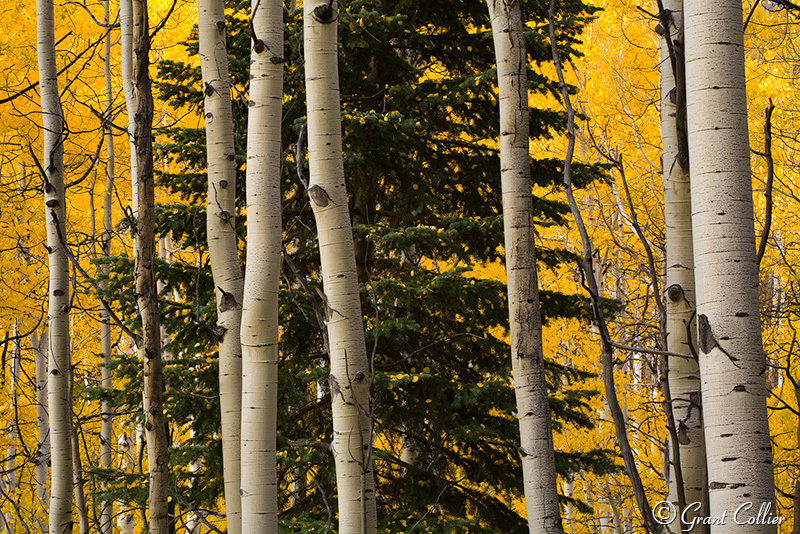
(325, 13)
(675, 292)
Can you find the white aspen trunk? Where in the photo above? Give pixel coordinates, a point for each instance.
(259, 330)
(223, 249)
(125, 520)
(569, 509)
(106, 378)
(126, 68)
(350, 370)
(59, 401)
(684, 373)
(536, 435)
(732, 361)
(39, 350)
(146, 293)
(194, 517)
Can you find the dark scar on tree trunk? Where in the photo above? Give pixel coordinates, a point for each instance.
(707, 341)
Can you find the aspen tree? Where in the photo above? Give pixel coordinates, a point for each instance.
(106, 378)
(350, 370)
(59, 364)
(259, 333)
(530, 386)
(731, 355)
(126, 68)
(146, 293)
(684, 373)
(39, 349)
(222, 242)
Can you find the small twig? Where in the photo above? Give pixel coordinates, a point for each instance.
(158, 27)
(762, 246)
(750, 15)
(302, 443)
(324, 500)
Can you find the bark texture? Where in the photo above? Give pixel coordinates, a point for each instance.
(40, 350)
(684, 373)
(60, 361)
(350, 371)
(106, 379)
(222, 243)
(731, 355)
(530, 386)
(146, 293)
(126, 68)
(259, 333)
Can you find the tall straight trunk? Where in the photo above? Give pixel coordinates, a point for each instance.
(536, 434)
(222, 243)
(732, 361)
(350, 370)
(106, 379)
(259, 333)
(60, 361)
(146, 293)
(126, 68)
(39, 350)
(684, 373)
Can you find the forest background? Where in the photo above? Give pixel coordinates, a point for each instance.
(420, 149)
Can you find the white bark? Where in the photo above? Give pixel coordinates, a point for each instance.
(530, 386)
(350, 371)
(732, 361)
(126, 66)
(684, 373)
(259, 331)
(39, 349)
(222, 243)
(125, 518)
(106, 379)
(60, 405)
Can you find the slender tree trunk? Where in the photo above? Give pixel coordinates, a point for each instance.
(222, 243)
(530, 386)
(684, 373)
(59, 401)
(259, 334)
(106, 379)
(732, 361)
(350, 370)
(39, 349)
(126, 68)
(146, 293)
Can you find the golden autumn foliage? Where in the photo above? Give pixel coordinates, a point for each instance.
(618, 83)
